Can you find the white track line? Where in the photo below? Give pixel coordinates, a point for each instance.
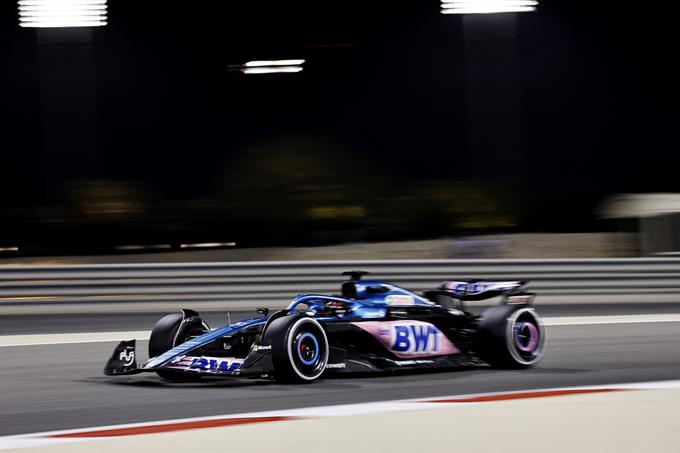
(70, 338)
(102, 337)
(609, 319)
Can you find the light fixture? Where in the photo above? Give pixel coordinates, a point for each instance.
(255, 64)
(487, 6)
(272, 66)
(272, 70)
(62, 13)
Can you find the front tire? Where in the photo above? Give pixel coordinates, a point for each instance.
(299, 349)
(170, 331)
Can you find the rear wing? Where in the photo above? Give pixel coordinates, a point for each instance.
(514, 291)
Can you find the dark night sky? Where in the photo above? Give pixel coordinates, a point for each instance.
(599, 93)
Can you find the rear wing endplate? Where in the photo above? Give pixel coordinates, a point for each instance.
(123, 360)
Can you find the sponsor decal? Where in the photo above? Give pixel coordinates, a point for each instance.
(469, 288)
(213, 365)
(409, 339)
(336, 366)
(127, 356)
(463, 288)
(412, 362)
(399, 299)
(262, 348)
(372, 313)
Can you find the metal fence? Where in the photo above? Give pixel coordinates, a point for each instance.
(275, 283)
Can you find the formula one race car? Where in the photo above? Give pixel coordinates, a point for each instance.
(373, 327)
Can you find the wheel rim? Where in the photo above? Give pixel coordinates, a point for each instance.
(525, 336)
(308, 349)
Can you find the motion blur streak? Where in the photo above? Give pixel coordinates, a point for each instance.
(143, 247)
(207, 245)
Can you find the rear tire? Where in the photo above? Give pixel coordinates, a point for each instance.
(299, 348)
(511, 336)
(170, 331)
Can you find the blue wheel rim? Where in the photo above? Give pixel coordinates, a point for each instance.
(301, 347)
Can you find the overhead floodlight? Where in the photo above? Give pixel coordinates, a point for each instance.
(272, 70)
(254, 64)
(487, 6)
(62, 13)
(271, 66)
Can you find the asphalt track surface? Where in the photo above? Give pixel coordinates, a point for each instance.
(53, 387)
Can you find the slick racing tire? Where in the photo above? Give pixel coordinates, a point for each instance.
(511, 336)
(170, 331)
(299, 348)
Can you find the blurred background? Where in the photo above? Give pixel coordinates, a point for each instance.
(503, 135)
(228, 155)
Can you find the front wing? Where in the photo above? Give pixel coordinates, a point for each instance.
(187, 358)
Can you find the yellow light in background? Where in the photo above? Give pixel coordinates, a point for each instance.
(62, 13)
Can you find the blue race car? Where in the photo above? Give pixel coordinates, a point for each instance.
(373, 326)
